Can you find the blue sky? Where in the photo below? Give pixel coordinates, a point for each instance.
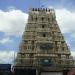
(13, 18)
(25, 4)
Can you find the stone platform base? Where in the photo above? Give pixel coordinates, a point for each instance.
(33, 72)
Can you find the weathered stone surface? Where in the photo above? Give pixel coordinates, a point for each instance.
(43, 45)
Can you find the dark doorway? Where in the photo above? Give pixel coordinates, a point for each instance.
(25, 71)
(65, 72)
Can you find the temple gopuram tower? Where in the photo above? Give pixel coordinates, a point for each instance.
(43, 50)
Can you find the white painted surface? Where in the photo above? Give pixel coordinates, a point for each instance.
(51, 73)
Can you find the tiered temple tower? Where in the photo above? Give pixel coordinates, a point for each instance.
(43, 47)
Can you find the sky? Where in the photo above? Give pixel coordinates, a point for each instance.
(13, 19)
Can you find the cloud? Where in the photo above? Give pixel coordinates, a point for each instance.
(66, 20)
(73, 54)
(13, 22)
(7, 56)
(5, 40)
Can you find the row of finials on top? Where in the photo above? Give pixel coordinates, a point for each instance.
(42, 9)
